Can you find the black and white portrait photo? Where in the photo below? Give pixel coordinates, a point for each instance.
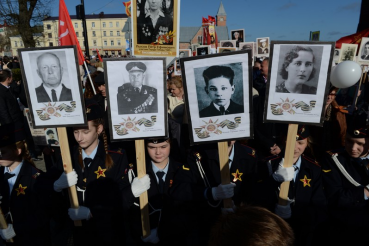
(228, 43)
(135, 92)
(218, 91)
(52, 136)
(185, 53)
(248, 46)
(299, 69)
(336, 55)
(238, 35)
(298, 81)
(262, 46)
(203, 50)
(52, 86)
(364, 50)
(348, 52)
(226, 49)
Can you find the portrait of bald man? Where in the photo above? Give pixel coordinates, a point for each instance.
(50, 71)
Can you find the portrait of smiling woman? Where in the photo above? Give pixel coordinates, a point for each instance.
(297, 69)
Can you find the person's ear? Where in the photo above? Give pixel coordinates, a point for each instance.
(100, 129)
(19, 151)
(233, 87)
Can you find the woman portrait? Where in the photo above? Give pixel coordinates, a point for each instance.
(297, 70)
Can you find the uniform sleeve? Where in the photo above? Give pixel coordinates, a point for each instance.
(5, 117)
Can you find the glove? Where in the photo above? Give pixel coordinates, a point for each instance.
(7, 233)
(223, 191)
(141, 185)
(65, 181)
(81, 213)
(152, 238)
(283, 174)
(231, 210)
(284, 211)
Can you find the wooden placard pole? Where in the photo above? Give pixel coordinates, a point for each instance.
(224, 169)
(144, 200)
(4, 225)
(67, 166)
(288, 162)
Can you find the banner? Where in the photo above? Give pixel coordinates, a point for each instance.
(128, 8)
(352, 39)
(67, 35)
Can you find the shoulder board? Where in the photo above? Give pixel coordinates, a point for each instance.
(272, 157)
(117, 151)
(311, 160)
(35, 173)
(249, 150)
(335, 151)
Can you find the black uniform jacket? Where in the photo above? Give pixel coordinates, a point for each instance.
(147, 33)
(42, 96)
(158, 203)
(27, 207)
(211, 110)
(9, 108)
(102, 195)
(346, 202)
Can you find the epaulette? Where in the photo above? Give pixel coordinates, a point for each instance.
(117, 151)
(249, 150)
(35, 173)
(311, 160)
(271, 158)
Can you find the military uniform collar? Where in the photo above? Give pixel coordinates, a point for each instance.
(148, 14)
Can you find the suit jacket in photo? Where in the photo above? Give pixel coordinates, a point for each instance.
(211, 110)
(42, 96)
(365, 57)
(132, 101)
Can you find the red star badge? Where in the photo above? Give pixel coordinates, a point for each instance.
(237, 176)
(305, 181)
(20, 190)
(100, 172)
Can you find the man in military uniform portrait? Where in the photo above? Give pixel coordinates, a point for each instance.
(152, 22)
(134, 97)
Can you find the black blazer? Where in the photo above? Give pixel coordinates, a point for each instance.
(211, 110)
(42, 96)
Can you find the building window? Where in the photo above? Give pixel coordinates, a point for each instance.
(48, 26)
(93, 34)
(117, 24)
(199, 39)
(76, 25)
(51, 44)
(104, 24)
(104, 33)
(111, 33)
(21, 43)
(105, 42)
(77, 34)
(50, 35)
(38, 43)
(118, 33)
(119, 42)
(110, 24)
(95, 42)
(93, 24)
(15, 44)
(112, 42)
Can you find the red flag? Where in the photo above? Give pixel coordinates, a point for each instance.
(352, 39)
(98, 55)
(128, 8)
(211, 20)
(67, 35)
(205, 21)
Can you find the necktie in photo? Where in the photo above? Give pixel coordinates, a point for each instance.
(222, 110)
(161, 181)
(8, 176)
(53, 94)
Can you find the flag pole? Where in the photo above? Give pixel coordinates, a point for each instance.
(88, 74)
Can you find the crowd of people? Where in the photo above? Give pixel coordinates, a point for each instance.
(328, 199)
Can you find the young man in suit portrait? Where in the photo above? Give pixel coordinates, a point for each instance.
(365, 52)
(50, 71)
(220, 88)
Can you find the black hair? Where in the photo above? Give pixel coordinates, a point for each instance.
(5, 74)
(216, 72)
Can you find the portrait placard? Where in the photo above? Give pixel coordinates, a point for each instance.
(203, 50)
(185, 53)
(218, 96)
(228, 43)
(155, 27)
(225, 49)
(336, 55)
(136, 92)
(52, 85)
(262, 46)
(298, 81)
(363, 56)
(238, 35)
(348, 52)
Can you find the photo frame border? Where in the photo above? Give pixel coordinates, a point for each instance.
(341, 52)
(250, 101)
(201, 46)
(271, 54)
(257, 47)
(189, 51)
(237, 30)
(137, 59)
(362, 44)
(26, 87)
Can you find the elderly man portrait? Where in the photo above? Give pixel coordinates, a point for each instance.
(152, 22)
(365, 51)
(50, 71)
(135, 97)
(220, 87)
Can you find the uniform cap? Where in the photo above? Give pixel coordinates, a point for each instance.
(302, 132)
(136, 66)
(93, 110)
(357, 127)
(157, 140)
(100, 79)
(12, 133)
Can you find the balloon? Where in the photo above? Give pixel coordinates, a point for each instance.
(345, 74)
